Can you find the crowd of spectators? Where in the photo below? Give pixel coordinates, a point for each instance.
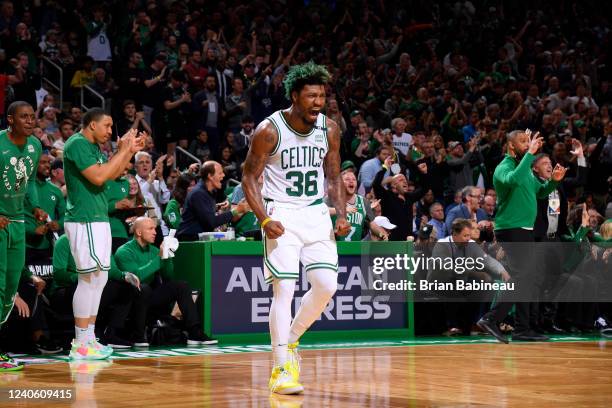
(424, 94)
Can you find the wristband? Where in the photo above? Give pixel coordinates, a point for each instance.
(264, 222)
(385, 167)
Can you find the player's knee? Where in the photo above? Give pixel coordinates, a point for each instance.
(326, 286)
(101, 280)
(84, 279)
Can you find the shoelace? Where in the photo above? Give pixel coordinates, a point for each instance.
(295, 356)
(282, 374)
(96, 344)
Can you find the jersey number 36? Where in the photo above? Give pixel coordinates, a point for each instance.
(303, 183)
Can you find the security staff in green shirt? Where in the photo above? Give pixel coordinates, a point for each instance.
(157, 285)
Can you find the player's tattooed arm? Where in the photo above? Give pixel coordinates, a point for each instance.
(263, 143)
(335, 186)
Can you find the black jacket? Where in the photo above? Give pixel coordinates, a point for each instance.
(540, 227)
(397, 210)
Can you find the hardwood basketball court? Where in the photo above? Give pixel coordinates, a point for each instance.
(576, 374)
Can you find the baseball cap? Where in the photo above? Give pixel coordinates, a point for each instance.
(355, 113)
(384, 222)
(579, 123)
(425, 231)
(453, 144)
(347, 164)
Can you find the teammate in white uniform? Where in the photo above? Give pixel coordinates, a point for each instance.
(297, 149)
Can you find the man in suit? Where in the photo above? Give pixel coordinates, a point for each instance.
(456, 246)
(549, 226)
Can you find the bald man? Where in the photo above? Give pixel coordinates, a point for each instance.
(141, 257)
(200, 210)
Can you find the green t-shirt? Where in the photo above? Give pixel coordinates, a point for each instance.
(248, 222)
(172, 215)
(372, 146)
(86, 201)
(17, 165)
(357, 219)
(117, 190)
(52, 201)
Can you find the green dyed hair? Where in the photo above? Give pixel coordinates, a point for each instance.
(305, 74)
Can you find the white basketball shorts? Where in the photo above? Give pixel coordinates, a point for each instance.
(90, 245)
(308, 238)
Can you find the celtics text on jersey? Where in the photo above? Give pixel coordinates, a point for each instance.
(356, 219)
(17, 165)
(294, 176)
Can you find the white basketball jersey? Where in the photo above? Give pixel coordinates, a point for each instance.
(294, 177)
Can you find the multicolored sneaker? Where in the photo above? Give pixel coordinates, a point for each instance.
(7, 364)
(86, 351)
(101, 347)
(282, 382)
(294, 360)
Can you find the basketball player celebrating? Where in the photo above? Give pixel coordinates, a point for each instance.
(19, 154)
(294, 148)
(86, 223)
(359, 214)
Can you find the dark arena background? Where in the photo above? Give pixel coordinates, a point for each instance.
(431, 101)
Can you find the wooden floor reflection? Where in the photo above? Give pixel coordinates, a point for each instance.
(496, 375)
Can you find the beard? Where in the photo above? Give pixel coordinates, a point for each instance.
(518, 155)
(306, 119)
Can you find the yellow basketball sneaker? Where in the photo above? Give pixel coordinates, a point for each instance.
(294, 360)
(282, 382)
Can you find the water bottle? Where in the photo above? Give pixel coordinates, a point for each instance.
(231, 235)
